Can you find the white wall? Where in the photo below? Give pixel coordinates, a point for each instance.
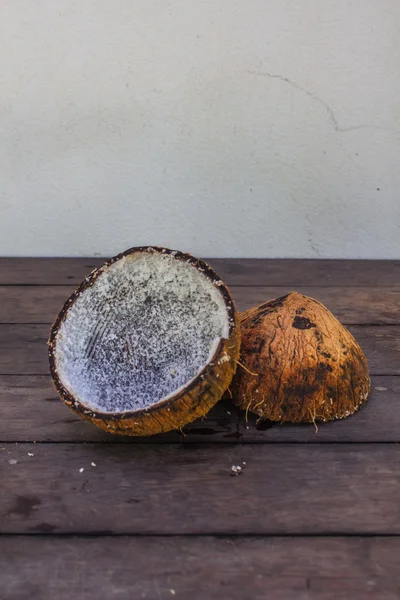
(221, 127)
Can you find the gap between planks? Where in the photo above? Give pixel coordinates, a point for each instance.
(191, 536)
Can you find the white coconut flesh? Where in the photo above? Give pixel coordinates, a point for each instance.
(144, 329)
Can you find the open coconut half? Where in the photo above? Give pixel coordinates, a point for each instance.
(147, 343)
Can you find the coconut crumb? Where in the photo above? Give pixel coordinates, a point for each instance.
(30, 454)
(381, 388)
(13, 461)
(172, 592)
(81, 470)
(93, 464)
(236, 470)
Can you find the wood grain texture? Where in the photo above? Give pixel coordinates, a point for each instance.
(203, 568)
(32, 411)
(172, 484)
(46, 271)
(234, 271)
(189, 489)
(23, 349)
(41, 304)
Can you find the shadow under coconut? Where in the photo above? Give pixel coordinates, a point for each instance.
(225, 423)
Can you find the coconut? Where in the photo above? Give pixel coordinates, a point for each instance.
(298, 363)
(146, 344)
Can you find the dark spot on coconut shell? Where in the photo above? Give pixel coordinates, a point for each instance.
(254, 322)
(265, 305)
(267, 308)
(326, 354)
(277, 303)
(332, 392)
(299, 391)
(300, 310)
(349, 371)
(302, 323)
(261, 344)
(324, 367)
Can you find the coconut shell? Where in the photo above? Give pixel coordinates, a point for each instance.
(298, 363)
(191, 401)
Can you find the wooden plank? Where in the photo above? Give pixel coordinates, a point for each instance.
(23, 348)
(189, 489)
(41, 304)
(32, 411)
(201, 568)
(46, 271)
(32, 304)
(235, 271)
(308, 272)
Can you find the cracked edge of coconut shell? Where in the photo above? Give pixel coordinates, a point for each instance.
(195, 400)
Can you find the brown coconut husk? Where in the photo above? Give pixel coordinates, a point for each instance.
(298, 363)
(190, 401)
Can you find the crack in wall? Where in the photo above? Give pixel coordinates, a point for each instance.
(329, 110)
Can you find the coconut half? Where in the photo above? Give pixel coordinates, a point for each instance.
(298, 363)
(147, 343)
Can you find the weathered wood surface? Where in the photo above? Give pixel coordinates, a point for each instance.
(23, 348)
(41, 304)
(50, 568)
(189, 489)
(296, 483)
(32, 411)
(235, 271)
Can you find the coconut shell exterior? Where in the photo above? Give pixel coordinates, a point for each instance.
(189, 404)
(304, 365)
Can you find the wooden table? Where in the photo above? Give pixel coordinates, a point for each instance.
(85, 515)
